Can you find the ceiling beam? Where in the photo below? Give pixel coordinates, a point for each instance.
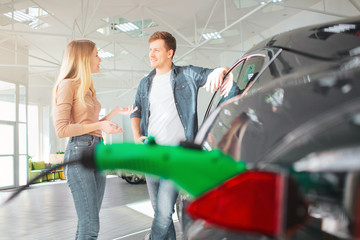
(29, 55)
(40, 49)
(134, 55)
(207, 21)
(17, 32)
(226, 28)
(84, 17)
(171, 27)
(252, 27)
(96, 7)
(52, 15)
(225, 14)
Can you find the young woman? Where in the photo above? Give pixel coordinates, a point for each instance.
(76, 115)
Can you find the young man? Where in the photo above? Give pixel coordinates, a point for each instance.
(169, 93)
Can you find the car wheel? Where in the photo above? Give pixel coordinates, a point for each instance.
(133, 179)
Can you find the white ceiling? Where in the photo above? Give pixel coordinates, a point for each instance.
(240, 28)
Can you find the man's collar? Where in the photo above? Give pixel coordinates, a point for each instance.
(174, 68)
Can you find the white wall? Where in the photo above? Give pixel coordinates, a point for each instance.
(11, 54)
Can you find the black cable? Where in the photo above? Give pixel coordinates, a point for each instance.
(44, 173)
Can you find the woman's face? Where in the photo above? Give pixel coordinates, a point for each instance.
(95, 61)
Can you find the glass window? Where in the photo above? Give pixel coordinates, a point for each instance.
(22, 103)
(7, 140)
(7, 101)
(244, 73)
(249, 71)
(22, 138)
(23, 173)
(7, 171)
(33, 131)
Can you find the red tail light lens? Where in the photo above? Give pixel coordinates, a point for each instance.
(252, 201)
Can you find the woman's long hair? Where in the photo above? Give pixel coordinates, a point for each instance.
(75, 66)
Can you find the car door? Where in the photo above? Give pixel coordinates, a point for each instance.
(245, 71)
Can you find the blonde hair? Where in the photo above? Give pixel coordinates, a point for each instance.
(75, 66)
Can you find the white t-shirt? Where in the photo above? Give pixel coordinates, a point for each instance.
(164, 121)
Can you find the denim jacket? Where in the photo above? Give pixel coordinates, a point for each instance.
(185, 82)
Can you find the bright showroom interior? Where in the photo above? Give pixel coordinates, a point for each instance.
(34, 33)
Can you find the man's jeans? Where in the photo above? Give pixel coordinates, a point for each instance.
(163, 197)
(87, 187)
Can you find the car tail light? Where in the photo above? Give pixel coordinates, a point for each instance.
(253, 201)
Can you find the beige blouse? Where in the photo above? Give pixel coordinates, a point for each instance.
(70, 114)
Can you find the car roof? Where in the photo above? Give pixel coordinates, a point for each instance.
(320, 41)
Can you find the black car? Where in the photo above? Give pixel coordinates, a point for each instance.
(294, 113)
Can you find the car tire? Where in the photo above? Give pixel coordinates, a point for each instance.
(133, 179)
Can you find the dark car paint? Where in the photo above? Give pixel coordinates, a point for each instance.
(309, 85)
(304, 97)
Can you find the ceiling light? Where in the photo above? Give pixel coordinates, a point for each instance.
(25, 15)
(213, 35)
(29, 16)
(134, 29)
(126, 27)
(19, 16)
(101, 30)
(36, 12)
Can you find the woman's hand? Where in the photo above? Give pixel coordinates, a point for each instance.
(125, 111)
(110, 127)
(118, 110)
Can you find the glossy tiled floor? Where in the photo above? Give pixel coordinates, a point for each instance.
(46, 211)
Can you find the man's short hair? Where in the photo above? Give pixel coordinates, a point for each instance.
(170, 41)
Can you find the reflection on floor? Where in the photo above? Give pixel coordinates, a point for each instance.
(46, 211)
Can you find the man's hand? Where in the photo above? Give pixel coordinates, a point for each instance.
(140, 140)
(216, 80)
(227, 85)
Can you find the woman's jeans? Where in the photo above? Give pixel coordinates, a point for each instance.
(163, 197)
(87, 186)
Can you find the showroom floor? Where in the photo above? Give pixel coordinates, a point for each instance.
(46, 211)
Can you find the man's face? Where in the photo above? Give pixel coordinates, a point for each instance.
(159, 56)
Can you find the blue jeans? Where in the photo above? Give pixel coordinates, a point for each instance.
(87, 187)
(163, 197)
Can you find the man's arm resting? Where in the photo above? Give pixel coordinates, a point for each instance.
(216, 80)
(135, 127)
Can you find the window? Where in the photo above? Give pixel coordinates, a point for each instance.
(244, 73)
(13, 141)
(34, 130)
(7, 101)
